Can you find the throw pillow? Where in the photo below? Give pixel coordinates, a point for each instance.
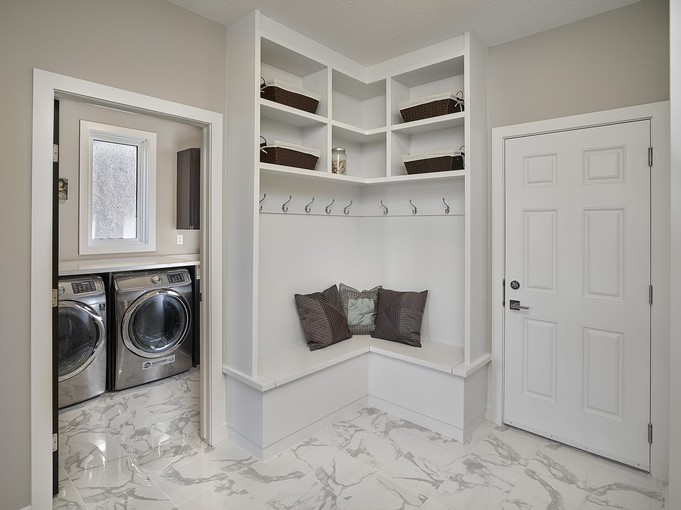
(360, 308)
(399, 316)
(322, 317)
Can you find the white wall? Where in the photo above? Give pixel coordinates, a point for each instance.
(675, 357)
(171, 137)
(616, 59)
(150, 47)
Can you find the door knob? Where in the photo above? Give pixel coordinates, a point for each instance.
(514, 304)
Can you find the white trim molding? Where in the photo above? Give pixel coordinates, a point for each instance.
(658, 113)
(47, 86)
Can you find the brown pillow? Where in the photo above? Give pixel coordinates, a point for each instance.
(399, 316)
(322, 317)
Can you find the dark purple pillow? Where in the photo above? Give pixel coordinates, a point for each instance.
(399, 316)
(322, 317)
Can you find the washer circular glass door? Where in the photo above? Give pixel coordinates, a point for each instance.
(80, 338)
(156, 323)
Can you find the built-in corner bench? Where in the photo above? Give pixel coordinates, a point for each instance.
(298, 392)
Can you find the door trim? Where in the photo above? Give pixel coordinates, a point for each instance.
(658, 114)
(46, 86)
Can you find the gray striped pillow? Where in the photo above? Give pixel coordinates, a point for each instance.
(360, 308)
(322, 317)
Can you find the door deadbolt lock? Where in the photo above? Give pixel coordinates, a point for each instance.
(515, 284)
(514, 304)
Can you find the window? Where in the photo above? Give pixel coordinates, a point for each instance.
(117, 189)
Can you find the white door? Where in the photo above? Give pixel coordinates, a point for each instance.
(577, 359)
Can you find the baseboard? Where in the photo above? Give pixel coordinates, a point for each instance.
(474, 424)
(310, 430)
(420, 419)
(27, 508)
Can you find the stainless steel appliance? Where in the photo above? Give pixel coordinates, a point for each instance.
(154, 334)
(81, 344)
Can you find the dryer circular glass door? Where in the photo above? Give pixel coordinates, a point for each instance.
(80, 338)
(156, 323)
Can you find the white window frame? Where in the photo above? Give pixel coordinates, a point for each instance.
(146, 189)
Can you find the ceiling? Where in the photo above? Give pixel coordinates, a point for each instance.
(370, 31)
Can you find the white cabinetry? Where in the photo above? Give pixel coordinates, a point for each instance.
(433, 236)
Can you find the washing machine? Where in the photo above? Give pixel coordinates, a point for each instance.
(81, 344)
(154, 334)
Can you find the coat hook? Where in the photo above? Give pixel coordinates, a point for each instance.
(446, 206)
(385, 208)
(414, 210)
(346, 209)
(308, 208)
(328, 207)
(264, 196)
(284, 206)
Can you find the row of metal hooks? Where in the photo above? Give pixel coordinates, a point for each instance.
(346, 209)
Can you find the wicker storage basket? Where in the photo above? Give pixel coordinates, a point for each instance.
(289, 95)
(288, 154)
(431, 106)
(440, 161)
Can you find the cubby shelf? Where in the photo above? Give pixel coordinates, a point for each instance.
(355, 134)
(453, 120)
(267, 168)
(287, 115)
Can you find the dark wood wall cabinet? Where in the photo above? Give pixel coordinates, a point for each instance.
(188, 189)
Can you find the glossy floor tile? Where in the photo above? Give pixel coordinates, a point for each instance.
(141, 449)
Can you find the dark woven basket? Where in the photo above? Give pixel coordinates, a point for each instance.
(288, 157)
(439, 164)
(432, 109)
(288, 98)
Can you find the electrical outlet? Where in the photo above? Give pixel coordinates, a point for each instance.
(180, 239)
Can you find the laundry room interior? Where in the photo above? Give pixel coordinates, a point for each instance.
(341, 255)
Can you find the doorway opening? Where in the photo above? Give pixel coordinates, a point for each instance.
(46, 87)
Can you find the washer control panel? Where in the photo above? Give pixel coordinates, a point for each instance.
(83, 286)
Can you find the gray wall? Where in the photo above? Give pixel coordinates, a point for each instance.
(675, 358)
(170, 137)
(151, 47)
(616, 59)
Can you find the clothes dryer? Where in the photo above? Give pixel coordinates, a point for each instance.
(154, 334)
(81, 342)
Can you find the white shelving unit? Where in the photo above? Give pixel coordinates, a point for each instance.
(376, 225)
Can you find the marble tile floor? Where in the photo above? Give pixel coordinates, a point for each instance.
(140, 449)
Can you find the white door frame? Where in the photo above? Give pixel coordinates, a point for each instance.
(213, 387)
(658, 113)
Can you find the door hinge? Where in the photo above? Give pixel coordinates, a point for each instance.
(503, 292)
(55, 442)
(55, 298)
(200, 297)
(650, 433)
(650, 157)
(55, 153)
(650, 294)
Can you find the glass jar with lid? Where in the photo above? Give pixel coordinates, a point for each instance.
(338, 160)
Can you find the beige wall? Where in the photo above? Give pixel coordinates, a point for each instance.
(151, 47)
(616, 59)
(170, 137)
